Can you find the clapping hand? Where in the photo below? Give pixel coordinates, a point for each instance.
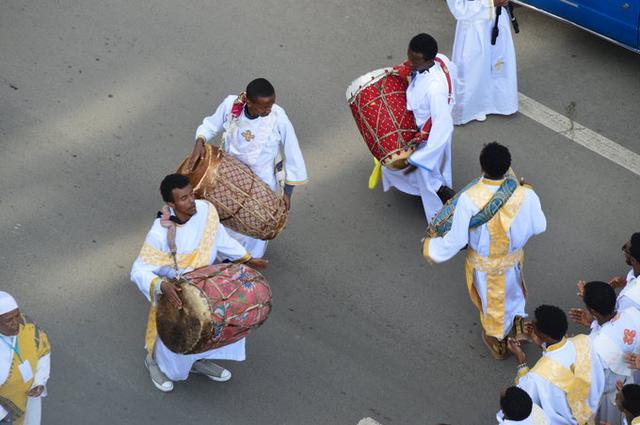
(581, 316)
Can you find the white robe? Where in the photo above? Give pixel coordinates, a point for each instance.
(188, 236)
(550, 397)
(257, 142)
(41, 376)
(428, 97)
(487, 77)
(629, 296)
(529, 221)
(537, 417)
(611, 341)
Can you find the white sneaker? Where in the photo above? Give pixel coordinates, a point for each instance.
(211, 370)
(158, 378)
(481, 118)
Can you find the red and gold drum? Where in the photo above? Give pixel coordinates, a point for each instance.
(378, 102)
(220, 305)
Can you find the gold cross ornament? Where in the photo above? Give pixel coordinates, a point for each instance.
(248, 136)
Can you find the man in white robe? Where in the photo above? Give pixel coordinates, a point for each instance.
(495, 249)
(517, 408)
(430, 98)
(629, 295)
(486, 82)
(568, 380)
(614, 334)
(628, 402)
(25, 363)
(199, 240)
(256, 132)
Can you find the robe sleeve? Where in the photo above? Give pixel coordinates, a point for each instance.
(229, 248)
(428, 155)
(295, 168)
(213, 124)
(528, 383)
(539, 222)
(445, 247)
(146, 275)
(467, 9)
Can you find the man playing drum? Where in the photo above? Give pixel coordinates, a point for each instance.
(495, 216)
(191, 229)
(256, 131)
(429, 96)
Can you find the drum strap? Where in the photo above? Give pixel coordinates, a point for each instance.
(426, 128)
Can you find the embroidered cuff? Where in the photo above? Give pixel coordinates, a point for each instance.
(246, 257)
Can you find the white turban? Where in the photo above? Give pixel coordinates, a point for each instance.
(7, 303)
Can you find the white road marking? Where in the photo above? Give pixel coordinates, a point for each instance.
(368, 421)
(580, 134)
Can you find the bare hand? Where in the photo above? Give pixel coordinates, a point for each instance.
(287, 201)
(581, 316)
(36, 391)
(618, 282)
(633, 360)
(258, 263)
(516, 350)
(410, 169)
(170, 290)
(580, 286)
(196, 155)
(619, 385)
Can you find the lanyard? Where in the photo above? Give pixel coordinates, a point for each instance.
(13, 347)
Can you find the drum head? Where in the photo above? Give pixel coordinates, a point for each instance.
(210, 159)
(182, 330)
(367, 79)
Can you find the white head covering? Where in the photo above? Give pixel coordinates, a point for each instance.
(7, 303)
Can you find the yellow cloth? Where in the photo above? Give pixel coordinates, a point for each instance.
(32, 345)
(498, 261)
(376, 174)
(575, 383)
(194, 260)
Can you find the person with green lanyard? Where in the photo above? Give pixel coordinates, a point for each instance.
(25, 359)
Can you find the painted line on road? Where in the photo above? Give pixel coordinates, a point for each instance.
(580, 134)
(368, 421)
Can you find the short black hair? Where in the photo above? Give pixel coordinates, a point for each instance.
(551, 321)
(260, 87)
(424, 44)
(170, 182)
(600, 297)
(634, 249)
(631, 399)
(495, 160)
(516, 404)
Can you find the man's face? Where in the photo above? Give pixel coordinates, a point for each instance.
(537, 337)
(626, 249)
(184, 202)
(417, 61)
(261, 106)
(10, 323)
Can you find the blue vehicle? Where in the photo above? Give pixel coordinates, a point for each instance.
(615, 20)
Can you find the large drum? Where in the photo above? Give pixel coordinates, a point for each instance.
(244, 202)
(220, 305)
(378, 102)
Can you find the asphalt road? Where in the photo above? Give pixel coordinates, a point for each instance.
(99, 100)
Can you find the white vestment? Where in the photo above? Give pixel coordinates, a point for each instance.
(192, 237)
(537, 417)
(41, 376)
(428, 97)
(629, 296)
(611, 341)
(257, 142)
(529, 221)
(550, 397)
(487, 77)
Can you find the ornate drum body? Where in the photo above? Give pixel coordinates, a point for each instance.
(378, 102)
(221, 304)
(244, 202)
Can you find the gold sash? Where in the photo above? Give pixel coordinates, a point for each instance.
(575, 382)
(32, 345)
(499, 259)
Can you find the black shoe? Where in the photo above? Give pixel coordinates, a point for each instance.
(445, 193)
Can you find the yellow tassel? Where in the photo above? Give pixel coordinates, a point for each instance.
(376, 174)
